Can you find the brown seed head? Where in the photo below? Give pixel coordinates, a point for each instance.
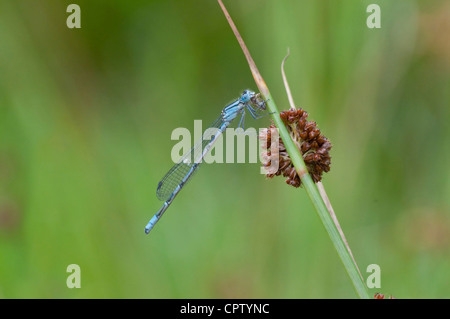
(313, 146)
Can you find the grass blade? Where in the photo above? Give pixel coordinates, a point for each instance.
(302, 171)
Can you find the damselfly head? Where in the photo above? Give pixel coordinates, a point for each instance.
(247, 96)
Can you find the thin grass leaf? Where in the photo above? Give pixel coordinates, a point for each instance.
(300, 167)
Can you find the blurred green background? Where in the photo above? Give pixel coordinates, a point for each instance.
(86, 117)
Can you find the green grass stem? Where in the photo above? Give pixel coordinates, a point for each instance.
(297, 161)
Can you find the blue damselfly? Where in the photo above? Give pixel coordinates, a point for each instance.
(182, 172)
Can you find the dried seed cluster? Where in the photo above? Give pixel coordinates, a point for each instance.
(381, 296)
(313, 146)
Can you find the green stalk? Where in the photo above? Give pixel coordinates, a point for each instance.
(319, 205)
(299, 164)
